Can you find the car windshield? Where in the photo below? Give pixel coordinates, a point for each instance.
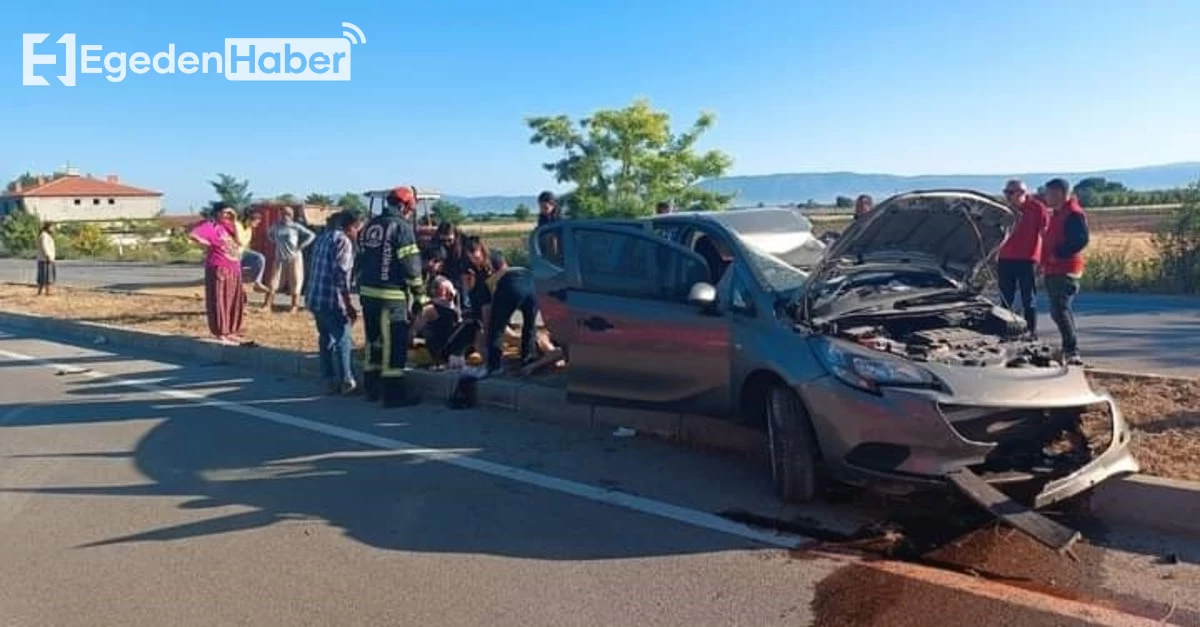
(778, 275)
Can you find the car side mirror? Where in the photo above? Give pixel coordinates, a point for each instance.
(703, 295)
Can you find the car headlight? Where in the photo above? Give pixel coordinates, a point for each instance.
(870, 370)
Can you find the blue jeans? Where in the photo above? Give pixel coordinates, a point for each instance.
(256, 263)
(334, 342)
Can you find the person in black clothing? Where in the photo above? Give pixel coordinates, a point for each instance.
(450, 240)
(442, 325)
(475, 271)
(547, 208)
(390, 287)
(509, 290)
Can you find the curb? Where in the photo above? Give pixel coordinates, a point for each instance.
(1144, 376)
(1152, 502)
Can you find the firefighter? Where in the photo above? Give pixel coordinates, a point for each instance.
(390, 289)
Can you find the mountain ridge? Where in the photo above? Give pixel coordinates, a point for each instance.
(825, 187)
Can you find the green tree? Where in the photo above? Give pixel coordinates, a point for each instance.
(622, 161)
(287, 199)
(1178, 245)
(522, 212)
(319, 199)
(446, 211)
(231, 192)
(353, 202)
(89, 240)
(26, 180)
(844, 202)
(19, 232)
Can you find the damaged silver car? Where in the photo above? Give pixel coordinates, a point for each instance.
(876, 361)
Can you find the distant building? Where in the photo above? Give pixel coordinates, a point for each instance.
(75, 198)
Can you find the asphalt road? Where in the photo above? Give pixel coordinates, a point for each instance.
(1141, 333)
(138, 491)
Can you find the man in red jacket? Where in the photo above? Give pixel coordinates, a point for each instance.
(1022, 251)
(1062, 261)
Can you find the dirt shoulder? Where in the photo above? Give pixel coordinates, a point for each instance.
(1165, 415)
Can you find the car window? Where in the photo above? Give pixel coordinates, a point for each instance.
(549, 243)
(633, 265)
(739, 293)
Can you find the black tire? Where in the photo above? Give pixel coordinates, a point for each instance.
(793, 449)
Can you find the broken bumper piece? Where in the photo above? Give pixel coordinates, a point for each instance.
(1050, 533)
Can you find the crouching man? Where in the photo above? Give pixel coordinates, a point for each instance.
(390, 288)
(509, 290)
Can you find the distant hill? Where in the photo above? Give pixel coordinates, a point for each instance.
(825, 187)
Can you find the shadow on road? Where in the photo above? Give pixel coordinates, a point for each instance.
(386, 499)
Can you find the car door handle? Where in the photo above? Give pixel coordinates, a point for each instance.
(595, 323)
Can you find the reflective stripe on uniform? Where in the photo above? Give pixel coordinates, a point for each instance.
(385, 331)
(407, 251)
(383, 293)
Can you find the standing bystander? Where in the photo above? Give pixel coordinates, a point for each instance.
(390, 287)
(290, 239)
(863, 205)
(1062, 261)
(1020, 254)
(547, 208)
(328, 298)
(46, 255)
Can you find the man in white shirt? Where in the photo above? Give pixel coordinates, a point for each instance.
(46, 255)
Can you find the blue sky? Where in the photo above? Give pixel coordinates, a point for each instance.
(440, 89)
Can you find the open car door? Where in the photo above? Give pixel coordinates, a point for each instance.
(617, 295)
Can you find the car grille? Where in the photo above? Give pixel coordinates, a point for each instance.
(1038, 441)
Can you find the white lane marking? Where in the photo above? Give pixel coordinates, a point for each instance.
(639, 504)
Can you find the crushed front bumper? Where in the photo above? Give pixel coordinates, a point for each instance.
(902, 440)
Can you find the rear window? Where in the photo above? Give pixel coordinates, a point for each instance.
(758, 221)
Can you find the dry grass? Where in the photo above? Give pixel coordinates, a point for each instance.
(177, 315)
(1165, 415)
(1132, 245)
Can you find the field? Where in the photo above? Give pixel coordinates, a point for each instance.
(1165, 415)
(1114, 231)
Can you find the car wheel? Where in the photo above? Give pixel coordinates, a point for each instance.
(793, 450)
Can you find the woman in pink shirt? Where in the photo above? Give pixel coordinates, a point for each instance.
(224, 296)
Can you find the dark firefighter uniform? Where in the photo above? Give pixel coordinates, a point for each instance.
(390, 287)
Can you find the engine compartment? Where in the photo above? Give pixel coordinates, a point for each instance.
(984, 336)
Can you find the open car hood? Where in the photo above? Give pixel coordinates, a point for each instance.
(957, 231)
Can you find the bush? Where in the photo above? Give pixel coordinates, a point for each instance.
(1178, 246)
(19, 232)
(88, 240)
(180, 245)
(517, 255)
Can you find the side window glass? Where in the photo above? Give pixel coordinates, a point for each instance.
(617, 263)
(680, 272)
(549, 243)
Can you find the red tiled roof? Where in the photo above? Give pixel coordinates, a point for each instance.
(83, 186)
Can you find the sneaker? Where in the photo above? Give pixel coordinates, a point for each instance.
(1074, 360)
(347, 388)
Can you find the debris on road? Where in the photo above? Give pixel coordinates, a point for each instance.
(624, 432)
(1048, 532)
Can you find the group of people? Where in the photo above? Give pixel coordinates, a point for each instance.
(1049, 239)
(227, 241)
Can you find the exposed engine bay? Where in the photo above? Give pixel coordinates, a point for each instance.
(982, 336)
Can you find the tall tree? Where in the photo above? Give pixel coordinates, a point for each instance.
(232, 192)
(287, 199)
(446, 211)
(522, 212)
(353, 202)
(319, 199)
(623, 161)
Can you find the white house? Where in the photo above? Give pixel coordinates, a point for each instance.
(75, 198)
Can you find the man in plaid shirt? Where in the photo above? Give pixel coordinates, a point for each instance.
(328, 298)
